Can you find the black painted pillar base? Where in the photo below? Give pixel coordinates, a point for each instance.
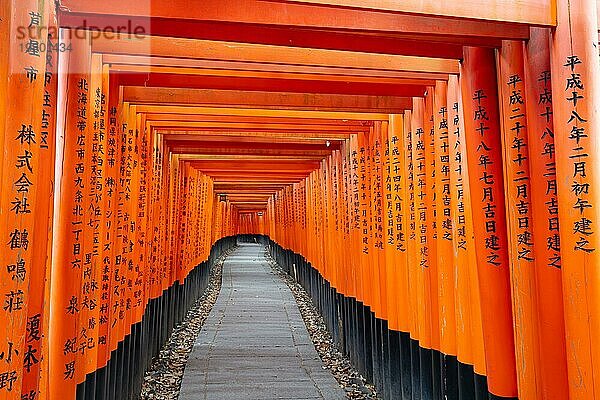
(122, 377)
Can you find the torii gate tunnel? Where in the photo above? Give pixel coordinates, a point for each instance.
(426, 169)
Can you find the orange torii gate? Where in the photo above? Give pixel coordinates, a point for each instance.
(425, 169)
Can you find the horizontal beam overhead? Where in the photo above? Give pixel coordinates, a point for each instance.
(224, 111)
(227, 66)
(191, 135)
(267, 100)
(534, 12)
(214, 50)
(224, 151)
(250, 126)
(255, 142)
(373, 16)
(212, 164)
(238, 158)
(173, 80)
(252, 119)
(401, 78)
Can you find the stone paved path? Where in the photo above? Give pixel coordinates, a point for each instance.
(254, 344)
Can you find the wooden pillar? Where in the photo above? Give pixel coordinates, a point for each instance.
(66, 368)
(35, 374)
(355, 209)
(420, 141)
(108, 103)
(444, 247)
(469, 334)
(576, 94)
(398, 222)
(484, 149)
(431, 272)
(412, 255)
(377, 217)
(23, 215)
(519, 202)
(364, 219)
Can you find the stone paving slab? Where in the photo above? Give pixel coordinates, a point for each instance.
(254, 344)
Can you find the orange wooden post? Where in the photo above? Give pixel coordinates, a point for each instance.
(66, 368)
(400, 221)
(393, 295)
(185, 194)
(130, 189)
(108, 107)
(315, 256)
(387, 228)
(444, 248)
(372, 261)
(328, 221)
(339, 198)
(141, 264)
(179, 186)
(460, 238)
(420, 142)
(430, 205)
(381, 324)
(331, 221)
(93, 220)
(484, 149)
(126, 224)
(378, 259)
(469, 336)
(326, 217)
(160, 249)
(320, 221)
(365, 239)
(412, 254)
(304, 217)
(576, 95)
(392, 259)
(22, 213)
(35, 356)
(551, 332)
(340, 213)
(172, 166)
(356, 218)
(154, 177)
(49, 123)
(138, 218)
(519, 202)
(473, 270)
(115, 156)
(431, 274)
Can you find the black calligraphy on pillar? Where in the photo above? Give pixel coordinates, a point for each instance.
(396, 190)
(443, 169)
(420, 175)
(364, 203)
(460, 220)
(484, 151)
(518, 157)
(583, 226)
